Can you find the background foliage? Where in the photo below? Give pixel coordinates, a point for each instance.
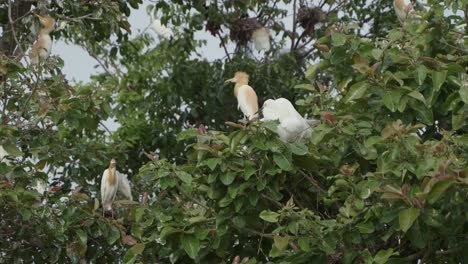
(383, 179)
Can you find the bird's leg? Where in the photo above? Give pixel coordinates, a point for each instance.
(112, 211)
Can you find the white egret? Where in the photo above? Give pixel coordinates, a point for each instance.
(43, 45)
(246, 97)
(403, 8)
(160, 29)
(261, 39)
(111, 181)
(292, 126)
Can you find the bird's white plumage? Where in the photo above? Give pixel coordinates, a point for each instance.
(292, 126)
(124, 186)
(261, 39)
(402, 8)
(162, 31)
(108, 191)
(243, 102)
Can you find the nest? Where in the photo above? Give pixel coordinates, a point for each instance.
(213, 27)
(309, 17)
(243, 28)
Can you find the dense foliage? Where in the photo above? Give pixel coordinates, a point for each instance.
(383, 179)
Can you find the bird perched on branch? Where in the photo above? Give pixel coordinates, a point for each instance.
(261, 39)
(43, 45)
(292, 126)
(111, 181)
(403, 8)
(246, 97)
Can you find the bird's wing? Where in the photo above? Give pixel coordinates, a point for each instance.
(105, 175)
(124, 186)
(248, 101)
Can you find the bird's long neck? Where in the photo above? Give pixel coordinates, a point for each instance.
(238, 85)
(46, 30)
(112, 177)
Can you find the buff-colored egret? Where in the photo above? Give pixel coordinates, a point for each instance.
(292, 126)
(261, 39)
(111, 181)
(43, 45)
(403, 8)
(246, 97)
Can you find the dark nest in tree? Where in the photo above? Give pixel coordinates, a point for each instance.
(309, 17)
(243, 28)
(213, 27)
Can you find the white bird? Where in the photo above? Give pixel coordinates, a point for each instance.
(43, 45)
(292, 126)
(403, 8)
(261, 39)
(160, 29)
(246, 97)
(111, 181)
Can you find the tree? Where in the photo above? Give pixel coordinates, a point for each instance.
(383, 179)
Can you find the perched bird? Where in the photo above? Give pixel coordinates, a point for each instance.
(292, 126)
(403, 8)
(160, 29)
(246, 97)
(112, 181)
(43, 45)
(261, 39)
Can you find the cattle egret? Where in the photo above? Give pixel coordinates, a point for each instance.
(161, 30)
(261, 39)
(246, 97)
(292, 126)
(112, 181)
(43, 45)
(403, 8)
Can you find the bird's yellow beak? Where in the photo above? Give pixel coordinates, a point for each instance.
(230, 80)
(38, 16)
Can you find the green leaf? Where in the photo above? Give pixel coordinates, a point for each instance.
(458, 120)
(366, 228)
(228, 177)
(186, 134)
(12, 150)
(311, 72)
(212, 163)
(438, 78)
(383, 255)
(464, 93)
(184, 176)
(421, 72)
(191, 245)
(356, 91)
(304, 244)
(282, 161)
(114, 234)
(281, 242)
(407, 218)
(418, 96)
(338, 39)
(299, 149)
(391, 99)
(133, 252)
(83, 236)
(269, 216)
(438, 189)
(306, 86)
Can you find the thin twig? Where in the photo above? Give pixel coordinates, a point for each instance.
(294, 25)
(13, 30)
(224, 46)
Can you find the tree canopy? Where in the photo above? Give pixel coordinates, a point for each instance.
(383, 178)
